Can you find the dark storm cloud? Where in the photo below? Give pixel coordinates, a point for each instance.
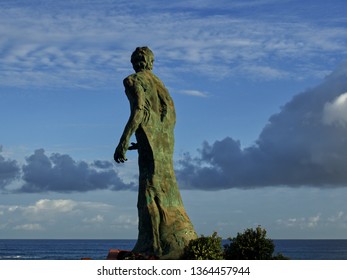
(304, 144)
(61, 173)
(9, 170)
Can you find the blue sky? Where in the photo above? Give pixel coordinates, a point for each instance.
(260, 94)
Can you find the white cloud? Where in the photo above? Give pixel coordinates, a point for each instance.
(335, 112)
(13, 208)
(265, 72)
(82, 45)
(222, 4)
(196, 93)
(316, 222)
(340, 216)
(56, 206)
(125, 221)
(94, 220)
(71, 218)
(313, 221)
(301, 222)
(29, 227)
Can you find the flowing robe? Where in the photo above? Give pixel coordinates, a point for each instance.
(164, 227)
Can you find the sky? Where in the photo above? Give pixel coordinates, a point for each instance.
(260, 91)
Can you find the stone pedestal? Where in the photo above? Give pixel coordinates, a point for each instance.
(116, 254)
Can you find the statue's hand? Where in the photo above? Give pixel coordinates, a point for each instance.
(134, 146)
(119, 155)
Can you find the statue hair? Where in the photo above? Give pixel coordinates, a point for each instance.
(142, 59)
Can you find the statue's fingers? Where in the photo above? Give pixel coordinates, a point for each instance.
(115, 157)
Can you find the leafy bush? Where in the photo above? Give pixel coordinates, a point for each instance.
(204, 248)
(251, 245)
(280, 256)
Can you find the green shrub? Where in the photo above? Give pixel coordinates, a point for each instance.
(204, 248)
(251, 245)
(279, 256)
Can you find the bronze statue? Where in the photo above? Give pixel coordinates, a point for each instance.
(164, 227)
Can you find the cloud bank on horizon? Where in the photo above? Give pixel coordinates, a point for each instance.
(305, 144)
(58, 173)
(66, 218)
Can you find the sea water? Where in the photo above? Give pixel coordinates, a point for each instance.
(62, 249)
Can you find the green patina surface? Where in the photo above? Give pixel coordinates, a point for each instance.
(164, 227)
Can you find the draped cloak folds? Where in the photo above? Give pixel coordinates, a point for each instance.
(164, 227)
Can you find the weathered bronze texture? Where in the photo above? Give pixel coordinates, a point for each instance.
(164, 226)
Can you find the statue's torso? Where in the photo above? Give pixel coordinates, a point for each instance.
(148, 93)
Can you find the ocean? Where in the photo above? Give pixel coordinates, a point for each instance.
(44, 249)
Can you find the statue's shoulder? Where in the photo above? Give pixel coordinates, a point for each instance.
(140, 78)
(136, 78)
(130, 80)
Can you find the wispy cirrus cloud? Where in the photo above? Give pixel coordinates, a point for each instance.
(69, 44)
(193, 92)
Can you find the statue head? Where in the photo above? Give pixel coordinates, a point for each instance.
(142, 59)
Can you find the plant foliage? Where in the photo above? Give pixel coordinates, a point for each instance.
(251, 245)
(204, 248)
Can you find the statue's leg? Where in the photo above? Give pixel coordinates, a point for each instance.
(154, 215)
(144, 242)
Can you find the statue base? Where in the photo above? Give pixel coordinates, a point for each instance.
(116, 254)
